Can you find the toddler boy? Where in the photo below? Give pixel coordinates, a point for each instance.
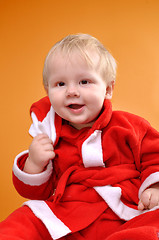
(90, 172)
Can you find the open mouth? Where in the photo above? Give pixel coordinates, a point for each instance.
(75, 106)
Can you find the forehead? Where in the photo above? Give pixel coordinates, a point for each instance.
(88, 58)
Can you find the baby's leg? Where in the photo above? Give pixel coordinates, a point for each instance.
(145, 226)
(22, 224)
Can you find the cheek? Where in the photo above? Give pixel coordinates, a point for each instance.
(97, 101)
(55, 99)
(97, 96)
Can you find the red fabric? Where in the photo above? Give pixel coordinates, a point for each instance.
(143, 227)
(23, 225)
(130, 153)
(28, 191)
(41, 108)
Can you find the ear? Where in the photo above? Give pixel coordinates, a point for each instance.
(109, 90)
(46, 89)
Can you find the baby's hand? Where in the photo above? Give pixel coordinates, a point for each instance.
(149, 198)
(41, 151)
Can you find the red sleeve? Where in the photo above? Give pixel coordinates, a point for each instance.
(149, 153)
(32, 186)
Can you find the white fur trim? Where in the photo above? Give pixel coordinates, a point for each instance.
(55, 226)
(153, 178)
(92, 153)
(31, 179)
(47, 126)
(112, 196)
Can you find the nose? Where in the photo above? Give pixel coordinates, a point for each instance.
(72, 91)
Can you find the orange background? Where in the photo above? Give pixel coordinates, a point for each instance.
(28, 29)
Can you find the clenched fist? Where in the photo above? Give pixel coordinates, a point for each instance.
(41, 151)
(149, 198)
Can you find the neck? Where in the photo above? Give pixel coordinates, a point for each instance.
(80, 126)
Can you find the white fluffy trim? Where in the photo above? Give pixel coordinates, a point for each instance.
(47, 126)
(153, 178)
(31, 179)
(112, 196)
(55, 226)
(92, 153)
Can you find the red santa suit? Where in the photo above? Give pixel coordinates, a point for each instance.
(97, 171)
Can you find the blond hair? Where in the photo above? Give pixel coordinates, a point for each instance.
(85, 44)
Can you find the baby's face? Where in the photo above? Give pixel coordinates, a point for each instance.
(76, 90)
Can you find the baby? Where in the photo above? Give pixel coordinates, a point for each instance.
(90, 172)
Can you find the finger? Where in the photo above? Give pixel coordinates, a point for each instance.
(48, 147)
(153, 201)
(46, 141)
(145, 198)
(41, 135)
(43, 139)
(140, 206)
(50, 155)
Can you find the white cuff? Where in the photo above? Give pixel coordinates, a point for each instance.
(31, 179)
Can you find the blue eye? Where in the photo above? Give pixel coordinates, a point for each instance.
(60, 84)
(83, 82)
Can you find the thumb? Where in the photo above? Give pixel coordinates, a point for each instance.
(140, 206)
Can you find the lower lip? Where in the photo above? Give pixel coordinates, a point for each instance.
(76, 111)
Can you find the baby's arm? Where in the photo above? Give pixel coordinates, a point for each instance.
(41, 151)
(33, 175)
(149, 198)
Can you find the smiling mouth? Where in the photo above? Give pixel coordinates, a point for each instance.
(75, 106)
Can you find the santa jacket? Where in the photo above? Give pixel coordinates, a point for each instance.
(106, 166)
